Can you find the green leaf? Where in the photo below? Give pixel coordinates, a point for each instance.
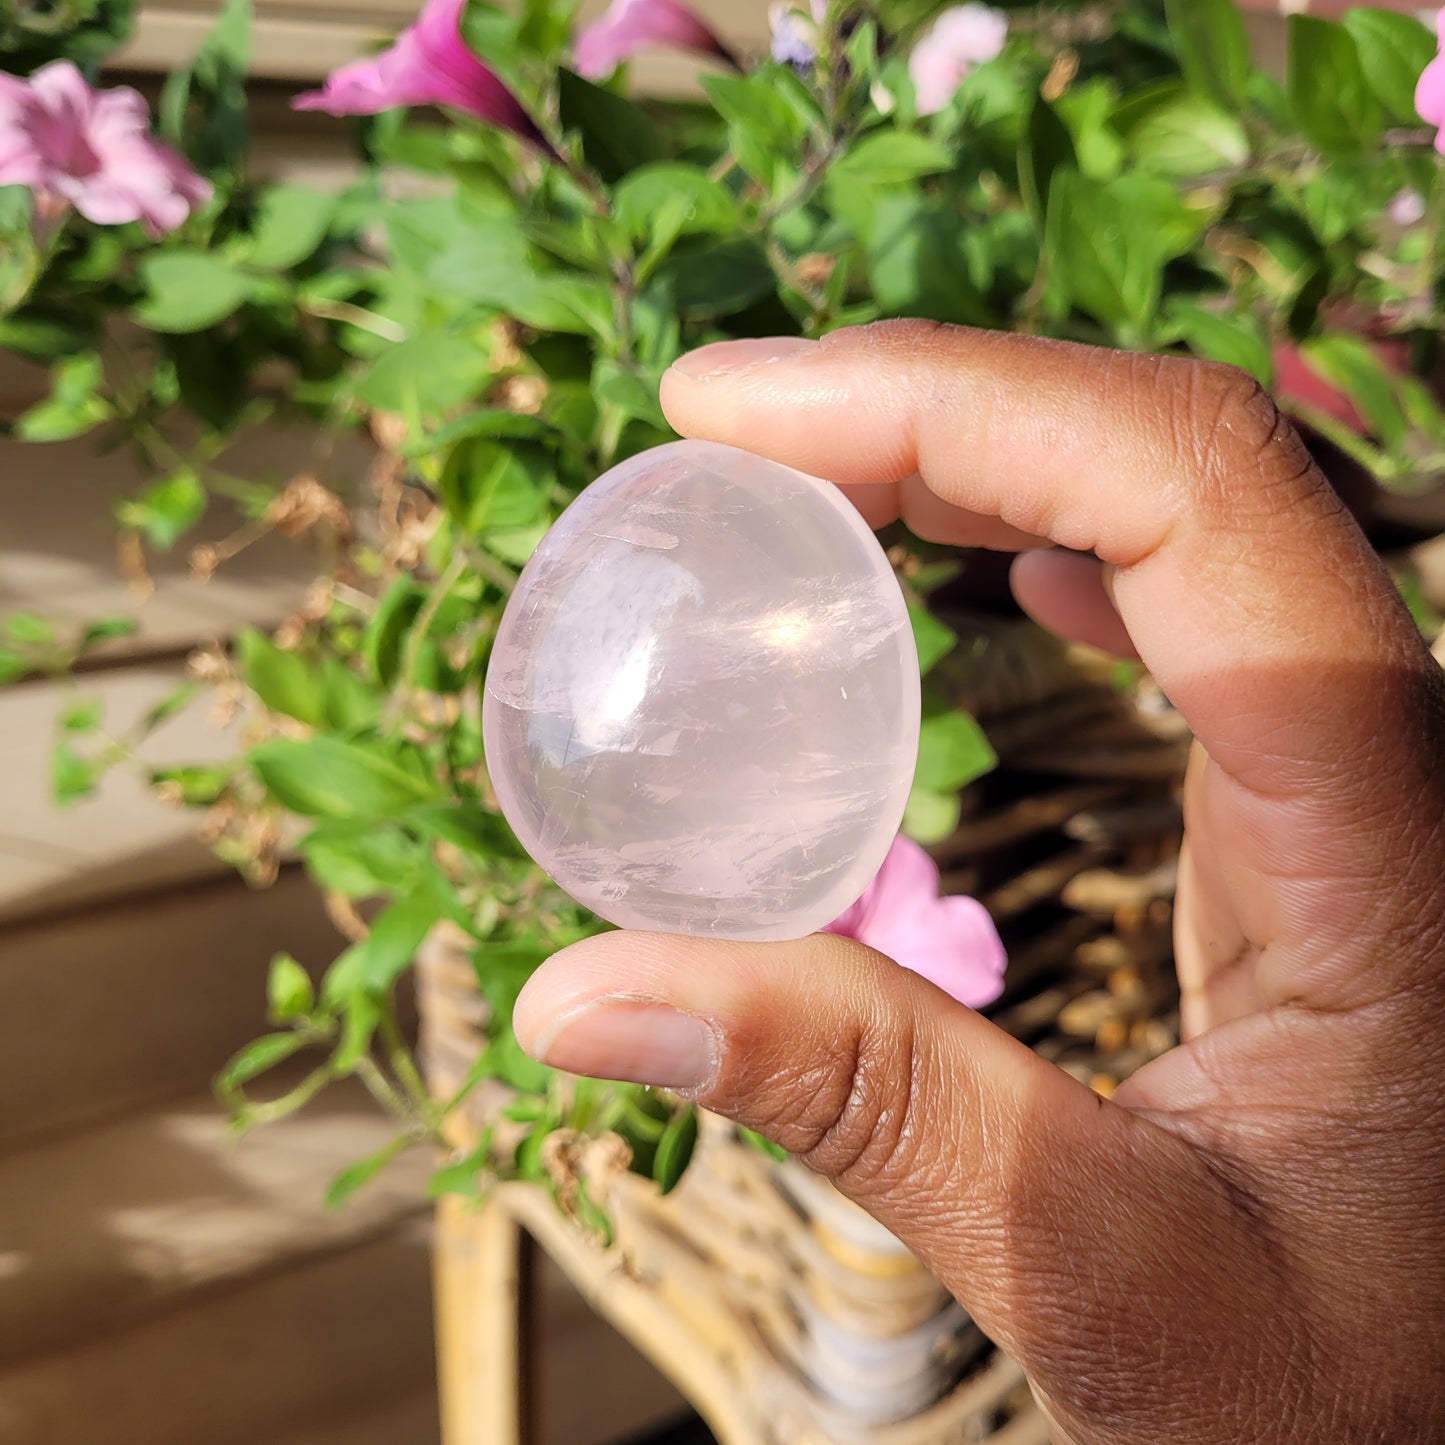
(384, 641)
(166, 511)
(390, 948)
(1333, 103)
(199, 787)
(284, 681)
(1394, 51)
(427, 375)
(765, 128)
(464, 1177)
(577, 305)
(475, 831)
(1108, 244)
(634, 396)
(289, 993)
(1239, 340)
(36, 335)
(1045, 147)
(1213, 48)
(1348, 361)
(328, 777)
(489, 485)
(502, 969)
(675, 1149)
(350, 703)
(360, 857)
(82, 717)
(422, 232)
(952, 751)
(718, 277)
(73, 406)
(1170, 130)
(30, 628)
(291, 224)
(189, 290)
(1341, 197)
(916, 261)
(617, 136)
(72, 776)
(507, 425)
(108, 629)
(354, 1176)
(931, 817)
(763, 1146)
(891, 158)
(259, 1057)
(755, 104)
(935, 641)
(174, 702)
(647, 200)
(203, 105)
(86, 32)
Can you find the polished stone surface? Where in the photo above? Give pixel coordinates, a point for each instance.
(701, 714)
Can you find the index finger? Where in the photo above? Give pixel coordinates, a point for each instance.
(1245, 585)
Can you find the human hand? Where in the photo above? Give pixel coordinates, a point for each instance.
(1248, 1242)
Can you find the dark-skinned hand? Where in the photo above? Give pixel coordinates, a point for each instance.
(1247, 1243)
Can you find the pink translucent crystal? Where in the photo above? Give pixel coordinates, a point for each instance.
(702, 710)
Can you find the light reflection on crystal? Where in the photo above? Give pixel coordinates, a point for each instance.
(702, 710)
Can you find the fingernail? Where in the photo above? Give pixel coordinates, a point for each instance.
(723, 358)
(631, 1041)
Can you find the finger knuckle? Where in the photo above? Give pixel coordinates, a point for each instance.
(858, 1122)
(1234, 444)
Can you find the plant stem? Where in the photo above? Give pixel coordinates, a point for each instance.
(380, 1089)
(416, 639)
(404, 1067)
(288, 1104)
(357, 316)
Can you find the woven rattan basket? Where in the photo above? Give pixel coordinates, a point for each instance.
(782, 1312)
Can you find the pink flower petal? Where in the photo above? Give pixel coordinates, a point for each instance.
(429, 64)
(630, 26)
(120, 114)
(61, 88)
(91, 149)
(908, 878)
(961, 39)
(355, 89)
(952, 941)
(1430, 92)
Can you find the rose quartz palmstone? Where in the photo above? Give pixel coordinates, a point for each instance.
(701, 714)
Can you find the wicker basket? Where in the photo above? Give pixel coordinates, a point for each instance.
(782, 1312)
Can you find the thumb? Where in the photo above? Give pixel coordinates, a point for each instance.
(1029, 1196)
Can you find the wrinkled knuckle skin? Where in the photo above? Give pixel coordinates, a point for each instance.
(1233, 442)
(864, 1125)
(850, 1111)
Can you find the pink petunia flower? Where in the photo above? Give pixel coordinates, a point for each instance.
(961, 40)
(430, 64)
(93, 150)
(1430, 93)
(795, 33)
(633, 25)
(951, 942)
